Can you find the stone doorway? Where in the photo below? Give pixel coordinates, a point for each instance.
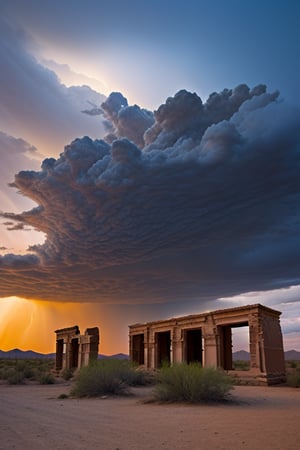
(163, 344)
(138, 349)
(226, 359)
(59, 354)
(74, 353)
(193, 346)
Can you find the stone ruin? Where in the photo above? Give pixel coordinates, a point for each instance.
(75, 350)
(207, 339)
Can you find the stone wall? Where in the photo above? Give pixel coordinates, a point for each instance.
(75, 350)
(207, 339)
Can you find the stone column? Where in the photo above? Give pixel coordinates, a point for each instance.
(151, 350)
(272, 348)
(68, 353)
(211, 345)
(176, 355)
(255, 344)
(146, 350)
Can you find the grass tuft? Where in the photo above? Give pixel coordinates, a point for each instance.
(46, 378)
(104, 377)
(62, 396)
(67, 374)
(191, 383)
(15, 377)
(293, 379)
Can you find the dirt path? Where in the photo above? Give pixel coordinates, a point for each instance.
(33, 418)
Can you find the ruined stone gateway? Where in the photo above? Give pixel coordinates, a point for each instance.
(75, 350)
(207, 339)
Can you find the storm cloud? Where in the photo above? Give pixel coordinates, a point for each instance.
(34, 104)
(206, 206)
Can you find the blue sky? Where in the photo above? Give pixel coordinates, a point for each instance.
(198, 213)
(150, 50)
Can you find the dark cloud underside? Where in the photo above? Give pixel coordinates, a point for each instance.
(195, 201)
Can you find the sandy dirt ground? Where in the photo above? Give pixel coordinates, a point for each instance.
(34, 418)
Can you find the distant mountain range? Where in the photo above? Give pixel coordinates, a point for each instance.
(29, 354)
(20, 354)
(242, 355)
(16, 353)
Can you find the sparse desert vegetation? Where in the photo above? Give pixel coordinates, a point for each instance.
(293, 373)
(32, 415)
(192, 383)
(179, 383)
(104, 377)
(45, 417)
(21, 371)
(115, 377)
(241, 365)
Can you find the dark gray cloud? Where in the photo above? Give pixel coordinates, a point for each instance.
(15, 154)
(126, 121)
(33, 102)
(208, 208)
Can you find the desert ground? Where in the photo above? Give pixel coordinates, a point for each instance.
(33, 417)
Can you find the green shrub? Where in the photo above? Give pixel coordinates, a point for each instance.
(15, 377)
(3, 372)
(15, 371)
(67, 374)
(241, 365)
(292, 364)
(192, 383)
(21, 364)
(293, 379)
(46, 378)
(63, 396)
(103, 377)
(29, 372)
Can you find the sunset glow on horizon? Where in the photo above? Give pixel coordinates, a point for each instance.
(30, 325)
(146, 173)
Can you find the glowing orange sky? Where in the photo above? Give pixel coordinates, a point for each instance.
(30, 324)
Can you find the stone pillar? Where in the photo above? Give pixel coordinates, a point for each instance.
(211, 344)
(151, 350)
(272, 348)
(176, 345)
(89, 346)
(146, 352)
(68, 354)
(255, 344)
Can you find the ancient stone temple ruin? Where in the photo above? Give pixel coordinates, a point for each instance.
(75, 350)
(207, 339)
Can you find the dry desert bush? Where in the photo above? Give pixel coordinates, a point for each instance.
(20, 371)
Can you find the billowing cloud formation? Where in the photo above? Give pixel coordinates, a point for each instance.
(15, 154)
(44, 112)
(126, 121)
(33, 102)
(209, 207)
